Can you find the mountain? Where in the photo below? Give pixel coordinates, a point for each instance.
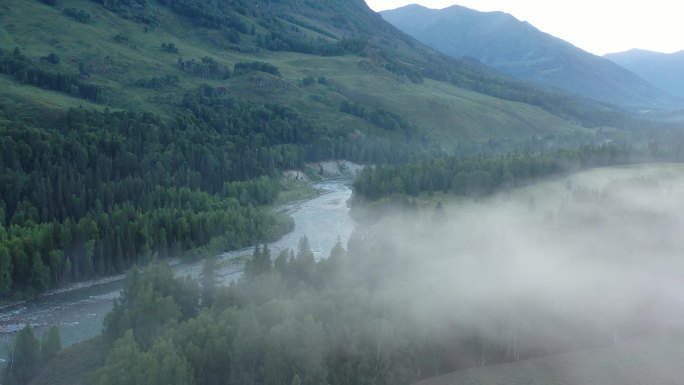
(519, 49)
(663, 70)
(133, 130)
(364, 59)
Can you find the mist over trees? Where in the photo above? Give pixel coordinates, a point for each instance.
(485, 174)
(479, 176)
(464, 265)
(416, 296)
(27, 354)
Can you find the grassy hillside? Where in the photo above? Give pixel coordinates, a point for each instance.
(653, 359)
(115, 53)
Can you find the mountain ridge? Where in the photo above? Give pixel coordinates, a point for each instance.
(662, 69)
(519, 49)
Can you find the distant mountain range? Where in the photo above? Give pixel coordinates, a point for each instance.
(519, 49)
(663, 70)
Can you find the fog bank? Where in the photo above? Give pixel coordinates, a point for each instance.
(583, 261)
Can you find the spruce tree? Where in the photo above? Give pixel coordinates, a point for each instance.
(24, 358)
(50, 344)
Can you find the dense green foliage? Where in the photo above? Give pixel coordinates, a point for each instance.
(95, 192)
(24, 358)
(286, 33)
(379, 117)
(342, 320)
(27, 354)
(161, 365)
(293, 139)
(130, 10)
(50, 344)
(169, 47)
(25, 70)
(278, 41)
(287, 321)
(77, 14)
(100, 191)
(207, 68)
(157, 82)
(243, 68)
(494, 168)
(217, 14)
(481, 175)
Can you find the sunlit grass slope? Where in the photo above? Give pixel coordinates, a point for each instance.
(116, 53)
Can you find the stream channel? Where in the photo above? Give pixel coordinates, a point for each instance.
(80, 310)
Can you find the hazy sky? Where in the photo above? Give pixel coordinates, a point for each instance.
(598, 26)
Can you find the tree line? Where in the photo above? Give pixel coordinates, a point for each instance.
(291, 319)
(378, 116)
(244, 68)
(480, 175)
(482, 168)
(26, 71)
(99, 191)
(206, 67)
(27, 354)
(93, 193)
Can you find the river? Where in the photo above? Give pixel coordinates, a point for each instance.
(79, 313)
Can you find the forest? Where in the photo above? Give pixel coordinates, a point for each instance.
(360, 315)
(25, 70)
(481, 175)
(93, 193)
(493, 168)
(137, 134)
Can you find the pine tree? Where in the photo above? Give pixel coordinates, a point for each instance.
(208, 281)
(5, 271)
(40, 274)
(260, 263)
(281, 262)
(50, 344)
(305, 263)
(337, 251)
(264, 263)
(24, 357)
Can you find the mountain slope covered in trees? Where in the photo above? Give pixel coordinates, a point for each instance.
(519, 49)
(134, 130)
